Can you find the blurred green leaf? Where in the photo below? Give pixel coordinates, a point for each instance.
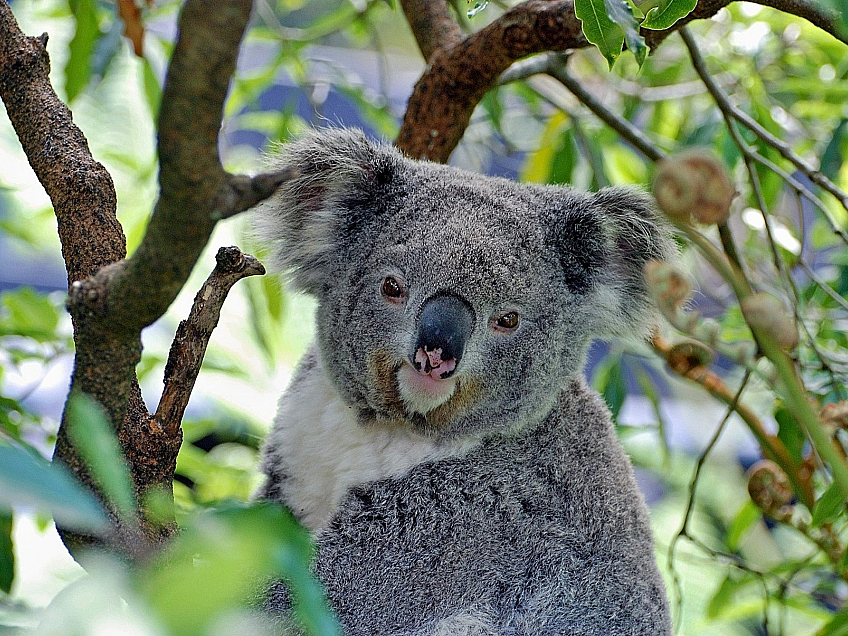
(90, 431)
(86, 35)
(609, 381)
(7, 552)
(790, 434)
(834, 154)
(221, 561)
(724, 598)
(27, 479)
(26, 312)
(599, 29)
(152, 88)
(829, 505)
(667, 13)
(744, 520)
(620, 12)
(838, 626)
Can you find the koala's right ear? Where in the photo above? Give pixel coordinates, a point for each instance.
(341, 183)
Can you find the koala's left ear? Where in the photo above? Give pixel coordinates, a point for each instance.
(603, 243)
(342, 183)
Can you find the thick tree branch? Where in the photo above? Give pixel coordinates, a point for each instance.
(193, 334)
(461, 72)
(80, 188)
(432, 25)
(110, 299)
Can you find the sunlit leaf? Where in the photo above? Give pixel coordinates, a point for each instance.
(620, 12)
(91, 433)
(667, 13)
(221, 561)
(86, 34)
(26, 479)
(7, 551)
(599, 29)
(26, 312)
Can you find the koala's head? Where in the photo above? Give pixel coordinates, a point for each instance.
(448, 301)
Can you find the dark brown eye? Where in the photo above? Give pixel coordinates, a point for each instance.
(507, 322)
(391, 289)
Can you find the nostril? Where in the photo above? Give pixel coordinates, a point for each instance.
(430, 362)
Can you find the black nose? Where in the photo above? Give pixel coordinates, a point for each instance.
(444, 326)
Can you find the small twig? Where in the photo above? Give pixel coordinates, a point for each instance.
(192, 337)
(731, 112)
(241, 192)
(558, 70)
(693, 483)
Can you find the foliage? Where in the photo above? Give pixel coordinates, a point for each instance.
(736, 566)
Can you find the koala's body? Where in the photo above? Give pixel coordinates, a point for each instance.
(458, 474)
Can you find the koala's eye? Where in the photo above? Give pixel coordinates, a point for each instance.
(507, 322)
(391, 289)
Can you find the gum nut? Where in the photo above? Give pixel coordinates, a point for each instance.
(766, 312)
(676, 189)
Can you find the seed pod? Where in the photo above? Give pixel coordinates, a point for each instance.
(769, 488)
(835, 415)
(694, 183)
(766, 312)
(668, 285)
(687, 355)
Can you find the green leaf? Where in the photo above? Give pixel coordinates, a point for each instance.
(790, 433)
(609, 381)
(744, 520)
(219, 559)
(724, 596)
(86, 34)
(832, 158)
(7, 552)
(667, 13)
(90, 431)
(28, 479)
(26, 312)
(599, 29)
(152, 88)
(828, 506)
(837, 626)
(620, 12)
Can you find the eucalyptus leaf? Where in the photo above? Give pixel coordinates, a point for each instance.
(91, 433)
(829, 505)
(86, 35)
(667, 13)
(29, 480)
(7, 552)
(599, 29)
(620, 12)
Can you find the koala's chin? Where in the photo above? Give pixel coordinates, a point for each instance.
(423, 393)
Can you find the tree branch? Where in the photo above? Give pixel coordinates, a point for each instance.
(432, 25)
(193, 334)
(79, 187)
(459, 75)
(461, 72)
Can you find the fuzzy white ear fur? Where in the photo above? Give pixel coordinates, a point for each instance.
(636, 233)
(302, 221)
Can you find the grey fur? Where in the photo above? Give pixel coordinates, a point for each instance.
(521, 515)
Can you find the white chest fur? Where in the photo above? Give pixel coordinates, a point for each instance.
(325, 451)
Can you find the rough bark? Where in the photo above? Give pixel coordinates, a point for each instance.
(112, 299)
(461, 71)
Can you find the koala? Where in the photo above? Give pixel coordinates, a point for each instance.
(438, 439)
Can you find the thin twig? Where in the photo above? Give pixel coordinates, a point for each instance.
(192, 337)
(731, 112)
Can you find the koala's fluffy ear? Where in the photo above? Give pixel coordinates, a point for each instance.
(603, 243)
(342, 182)
(636, 233)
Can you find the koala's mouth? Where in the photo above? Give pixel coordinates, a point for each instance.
(422, 393)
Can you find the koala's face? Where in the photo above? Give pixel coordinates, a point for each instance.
(451, 302)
